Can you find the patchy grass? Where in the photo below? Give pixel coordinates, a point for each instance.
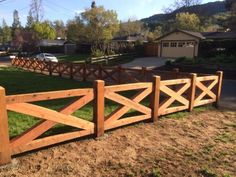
(17, 81)
(81, 58)
(76, 58)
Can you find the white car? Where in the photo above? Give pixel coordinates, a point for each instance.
(46, 57)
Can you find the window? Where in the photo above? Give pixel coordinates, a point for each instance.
(166, 44)
(190, 44)
(173, 44)
(181, 44)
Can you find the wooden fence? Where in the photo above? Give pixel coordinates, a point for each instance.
(165, 97)
(84, 72)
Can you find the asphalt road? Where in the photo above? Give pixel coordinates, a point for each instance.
(228, 96)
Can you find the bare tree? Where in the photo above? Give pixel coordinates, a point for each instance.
(181, 3)
(36, 9)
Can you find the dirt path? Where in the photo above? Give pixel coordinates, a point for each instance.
(200, 144)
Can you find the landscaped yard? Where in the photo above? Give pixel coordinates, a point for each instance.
(77, 58)
(81, 58)
(196, 145)
(17, 81)
(222, 61)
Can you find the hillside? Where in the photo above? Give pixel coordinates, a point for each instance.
(203, 10)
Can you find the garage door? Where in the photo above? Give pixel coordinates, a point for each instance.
(175, 49)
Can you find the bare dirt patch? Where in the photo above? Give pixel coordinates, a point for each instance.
(200, 144)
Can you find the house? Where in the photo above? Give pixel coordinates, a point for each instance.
(131, 38)
(179, 43)
(48, 42)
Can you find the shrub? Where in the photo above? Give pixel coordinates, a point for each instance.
(168, 62)
(97, 53)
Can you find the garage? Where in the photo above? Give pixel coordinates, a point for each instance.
(179, 43)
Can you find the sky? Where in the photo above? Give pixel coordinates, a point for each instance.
(67, 9)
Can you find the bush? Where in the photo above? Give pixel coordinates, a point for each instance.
(184, 60)
(97, 53)
(168, 62)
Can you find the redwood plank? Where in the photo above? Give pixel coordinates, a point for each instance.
(99, 106)
(47, 114)
(5, 154)
(192, 91)
(124, 109)
(41, 96)
(51, 140)
(127, 102)
(45, 125)
(155, 97)
(127, 121)
(219, 87)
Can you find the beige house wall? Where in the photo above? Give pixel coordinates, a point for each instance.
(175, 52)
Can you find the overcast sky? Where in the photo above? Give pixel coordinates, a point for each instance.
(66, 9)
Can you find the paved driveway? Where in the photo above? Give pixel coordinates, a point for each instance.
(149, 62)
(5, 61)
(228, 96)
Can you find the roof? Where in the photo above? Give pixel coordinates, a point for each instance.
(219, 35)
(190, 33)
(48, 42)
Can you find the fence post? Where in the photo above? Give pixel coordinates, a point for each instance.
(192, 91)
(5, 154)
(84, 72)
(119, 69)
(219, 87)
(100, 71)
(98, 109)
(155, 97)
(50, 68)
(59, 69)
(176, 70)
(144, 73)
(71, 71)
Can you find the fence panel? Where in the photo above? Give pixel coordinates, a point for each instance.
(205, 90)
(115, 118)
(28, 140)
(174, 91)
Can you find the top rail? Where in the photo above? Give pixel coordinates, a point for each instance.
(41, 96)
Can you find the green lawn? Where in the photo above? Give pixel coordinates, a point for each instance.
(77, 58)
(81, 58)
(17, 81)
(217, 61)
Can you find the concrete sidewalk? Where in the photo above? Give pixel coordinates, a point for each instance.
(149, 62)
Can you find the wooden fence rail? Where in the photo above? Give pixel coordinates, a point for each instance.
(112, 75)
(164, 96)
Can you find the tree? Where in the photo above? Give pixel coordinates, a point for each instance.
(186, 21)
(231, 6)
(186, 3)
(16, 20)
(181, 3)
(44, 30)
(5, 33)
(76, 31)
(36, 10)
(30, 20)
(131, 27)
(101, 24)
(152, 36)
(60, 28)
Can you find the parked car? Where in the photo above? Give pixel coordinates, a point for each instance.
(46, 57)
